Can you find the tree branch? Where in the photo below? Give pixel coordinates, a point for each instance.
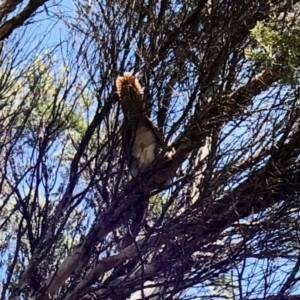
(9, 26)
(8, 6)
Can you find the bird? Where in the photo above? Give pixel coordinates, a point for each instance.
(142, 141)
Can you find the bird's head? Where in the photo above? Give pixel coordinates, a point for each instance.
(125, 83)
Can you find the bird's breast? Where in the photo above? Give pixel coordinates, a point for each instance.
(144, 147)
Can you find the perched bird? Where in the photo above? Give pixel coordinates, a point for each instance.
(142, 142)
(141, 139)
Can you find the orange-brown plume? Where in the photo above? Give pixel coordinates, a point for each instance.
(128, 79)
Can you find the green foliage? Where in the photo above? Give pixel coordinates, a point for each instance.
(276, 40)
